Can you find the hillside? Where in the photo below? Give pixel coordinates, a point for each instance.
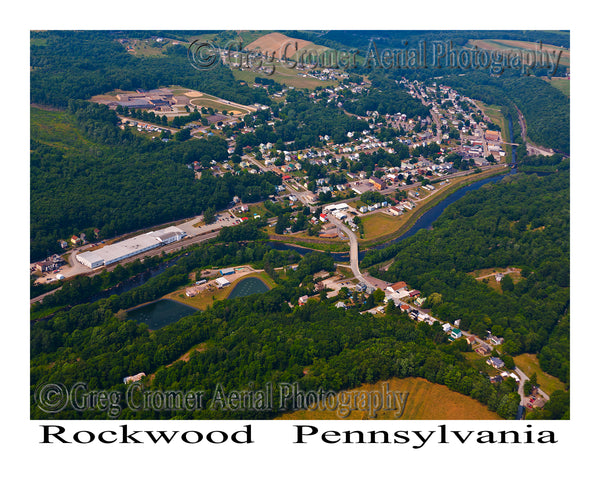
(276, 43)
(425, 401)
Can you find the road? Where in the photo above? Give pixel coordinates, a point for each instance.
(292, 185)
(357, 273)
(353, 250)
(523, 378)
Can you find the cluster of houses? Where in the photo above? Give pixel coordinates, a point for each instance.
(50, 264)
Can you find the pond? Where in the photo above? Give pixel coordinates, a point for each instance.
(248, 286)
(160, 313)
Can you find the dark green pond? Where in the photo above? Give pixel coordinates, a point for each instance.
(248, 286)
(158, 314)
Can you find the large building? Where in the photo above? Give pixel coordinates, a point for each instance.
(130, 247)
(492, 135)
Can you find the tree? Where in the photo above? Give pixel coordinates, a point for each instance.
(507, 284)
(378, 295)
(435, 299)
(183, 135)
(209, 215)
(390, 308)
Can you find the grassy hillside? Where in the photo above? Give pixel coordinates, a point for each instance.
(426, 401)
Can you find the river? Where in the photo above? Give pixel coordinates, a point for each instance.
(424, 221)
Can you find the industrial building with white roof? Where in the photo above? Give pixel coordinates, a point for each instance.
(130, 247)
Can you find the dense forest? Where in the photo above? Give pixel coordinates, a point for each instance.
(87, 173)
(248, 341)
(522, 222)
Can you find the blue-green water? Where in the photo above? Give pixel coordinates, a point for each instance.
(248, 286)
(158, 314)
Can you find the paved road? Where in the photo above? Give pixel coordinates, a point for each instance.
(523, 378)
(353, 250)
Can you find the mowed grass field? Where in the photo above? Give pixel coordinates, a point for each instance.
(426, 401)
(379, 224)
(529, 363)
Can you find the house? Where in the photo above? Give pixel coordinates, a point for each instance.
(420, 301)
(496, 379)
(414, 293)
(455, 333)
(340, 304)
(63, 244)
(404, 307)
(134, 378)
(471, 340)
(398, 285)
(75, 240)
(377, 183)
(495, 340)
(302, 300)
(395, 211)
(495, 362)
(446, 327)
(483, 349)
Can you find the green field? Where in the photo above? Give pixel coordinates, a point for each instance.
(426, 401)
(529, 363)
(379, 224)
(55, 128)
(285, 76)
(563, 84)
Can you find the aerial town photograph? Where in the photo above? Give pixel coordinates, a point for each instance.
(299, 225)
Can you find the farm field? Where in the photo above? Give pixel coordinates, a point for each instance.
(497, 44)
(426, 401)
(275, 43)
(529, 363)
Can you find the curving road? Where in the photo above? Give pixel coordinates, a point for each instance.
(353, 249)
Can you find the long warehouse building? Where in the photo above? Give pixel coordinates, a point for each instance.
(130, 247)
